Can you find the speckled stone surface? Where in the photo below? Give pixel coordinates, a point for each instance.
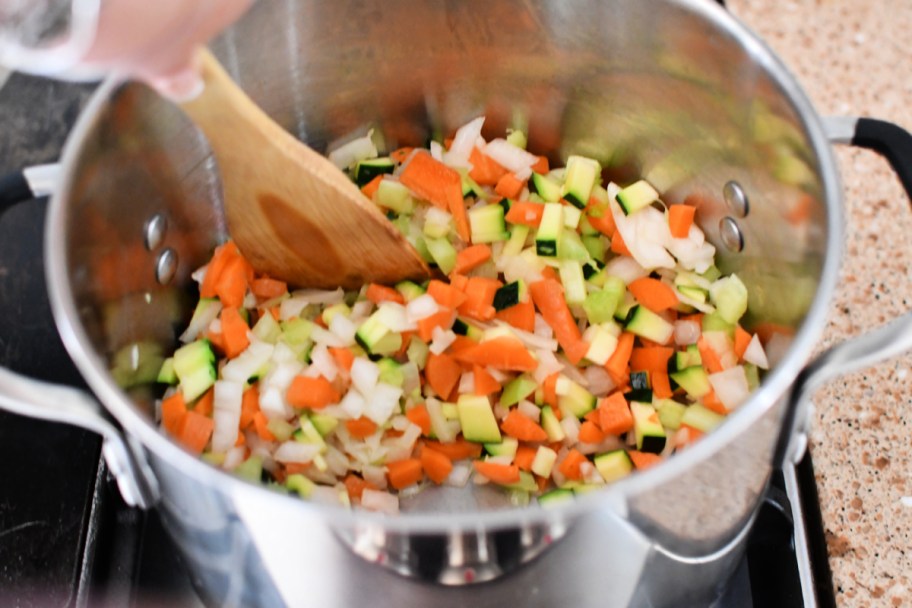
(854, 57)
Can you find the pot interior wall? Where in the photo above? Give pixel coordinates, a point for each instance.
(648, 88)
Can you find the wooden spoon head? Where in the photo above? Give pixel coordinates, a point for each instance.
(290, 211)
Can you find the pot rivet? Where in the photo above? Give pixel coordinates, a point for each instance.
(155, 231)
(736, 198)
(730, 233)
(166, 266)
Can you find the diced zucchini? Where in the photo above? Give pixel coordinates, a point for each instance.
(517, 389)
(366, 170)
(437, 223)
(487, 224)
(603, 340)
(518, 235)
(648, 429)
(555, 498)
(729, 295)
(545, 187)
(571, 276)
(517, 138)
(647, 324)
(506, 447)
(194, 365)
(392, 195)
(701, 418)
(600, 306)
(376, 338)
(390, 372)
(443, 253)
(267, 329)
(477, 419)
(296, 331)
(544, 461)
(625, 306)
(300, 484)
(510, 294)
(251, 469)
(573, 398)
(410, 290)
(582, 175)
(595, 246)
(688, 357)
(694, 380)
(572, 217)
(324, 423)
(636, 196)
(167, 375)
(570, 246)
(470, 187)
(670, 412)
(613, 465)
(547, 239)
(552, 425)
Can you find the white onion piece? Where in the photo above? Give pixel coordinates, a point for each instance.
(322, 363)
(234, 457)
(466, 383)
(352, 404)
(382, 401)
(529, 409)
(350, 153)
(547, 365)
(686, 332)
(200, 323)
(226, 414)
(542, 328)
(571, 426)
(441, 339)
(509, 156)
(444, 429)
(361, 309)
(326, 337)
(249, 362)
(319, 296)
(374, 475)
(382, 502)
(394, 317)
(531, 340)
(459, 476)
(199, 275)
(283, 353)
(625, 268)
(273, 404)
(420, 308)
(642, 233)
(436, 151)
(295, 451)
(777, 346)
(599, 380)
(463, 144)
(705, 307)
(343, 328)
(730, 386)
(292, 307)
(755, 353)
(364, 375)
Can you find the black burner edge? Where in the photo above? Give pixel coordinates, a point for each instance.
(815, 533)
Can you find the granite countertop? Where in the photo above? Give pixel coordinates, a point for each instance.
(855, 58)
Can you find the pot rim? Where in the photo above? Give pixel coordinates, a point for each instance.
(776, 384)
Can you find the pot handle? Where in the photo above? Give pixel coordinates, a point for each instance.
(894, 338)
(67, 405)
(31, 182)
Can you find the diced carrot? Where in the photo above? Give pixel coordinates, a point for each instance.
(377, 293)
(590, 432)
(292, 468)
(260, 423)
(362, 427)
(430, 179)
(525, 213)
(592, 416)
(505, 353)
(370, 188)
(570, 466)
(459, 281)
(173, 409)
(250, 405)
(234, 332)
(241, 439)
(742, 340)
(343, 356)
(615, 417)
(355, 486)
(680, 219)
(231, 286)
(419, 416)
(521, 316)
(503, 474)
(404, 473)
(401, 154)
(541, 166)
(525, 455)
(313, 393)
(275, 311)
(653, 294)
(223, 254)
(472, 257)
(217, 340)
(508, 186)
(618, 245)
(644, 460)
(445, 294)
(709, 357)
(549, 390)
(460, 344)
(692, 433)
(485, 383)
(442, 372)
(195, 431)
(661, 385)
(711, 402)
(443, 319)
(600, 217)
(520, 426)
(800, 212)
(766, 330)
(206, 403)
(485, 170)
(479, 302)
(267, 288)
(617, 362)
(548, 296)
(459, 449)
(650, 358)
(437, 466)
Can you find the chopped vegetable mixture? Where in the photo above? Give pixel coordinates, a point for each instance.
(576, 332)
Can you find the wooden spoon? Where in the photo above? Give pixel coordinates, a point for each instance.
(290, 211)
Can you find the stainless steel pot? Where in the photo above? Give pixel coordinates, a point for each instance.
(676, 91)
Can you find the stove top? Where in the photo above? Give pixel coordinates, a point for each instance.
(66, 537)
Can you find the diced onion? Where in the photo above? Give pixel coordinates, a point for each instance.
(509, 156)
(686, 332)
(382, 502)
(382, 401)
(625, 268)
(441, 339)
(364, 375)
(459, 476)
(730, 386)
(343, 328)
(295, 451)
(463, 144)
(226, 414)
(420, 308)
(249, 362)
(599, 380)
(350, 153)
(755, 353)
